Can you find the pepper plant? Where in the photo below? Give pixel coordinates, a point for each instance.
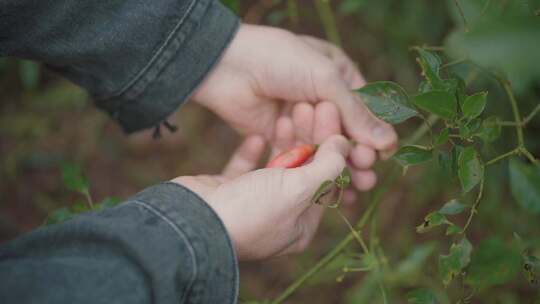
(453, 132)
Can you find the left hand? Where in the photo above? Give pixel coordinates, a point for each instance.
(265, 71)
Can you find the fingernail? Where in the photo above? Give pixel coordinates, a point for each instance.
(381, 132)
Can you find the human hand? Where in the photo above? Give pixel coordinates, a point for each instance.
(268, 212)
(265, 70)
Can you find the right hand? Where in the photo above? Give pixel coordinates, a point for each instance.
(269, 212)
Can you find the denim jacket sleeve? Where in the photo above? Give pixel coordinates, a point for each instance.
(164, 245)
(139, 59)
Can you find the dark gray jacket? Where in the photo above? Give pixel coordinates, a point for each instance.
(140, 60)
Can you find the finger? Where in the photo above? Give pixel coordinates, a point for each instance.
(327, 164)
(359, 122)
(363, 157)
(364, 180)
(284, 136)
(246, 157)
(303, 119)
(327, 122)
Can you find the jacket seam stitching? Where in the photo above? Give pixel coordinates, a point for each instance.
(156, 57)
(182, 236)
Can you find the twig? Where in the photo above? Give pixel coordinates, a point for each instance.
(460, 9)
(531, 115)
(515, 110)
(455, 62)
(422, 130)
(436, 48)
(354, 232)
(375, 199)
(529, 156)
(88, 197)
(328, 21)
(475, 206)
(503, 156)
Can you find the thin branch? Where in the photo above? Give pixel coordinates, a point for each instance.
(422, 130)
(328, 21)
(354, 232)
(435, 48)
(375, 200)
(88, 197)
(515, 111)
(455, 62)
(475, 206)
(503, 156)
(531, 115)
(460, 9)
(529, 156)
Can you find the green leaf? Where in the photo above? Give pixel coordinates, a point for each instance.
(344, 179)
(491, 129)
(59, 216)
(29, 72)
(413, 155)
(470, 128)
(80, 208)
(413, 263)
(525, 185)
(73, 178)
(325, 188)
(442, 137)
(430, 63)
(445, 162)
(474, 105)
(421, 296)
(453, 207)
(432, 220)
(388, 101)
(109, 202)
(440, 103)
(452, 264)
(424, 87)
(470, 171)
(453, 229)
(503, 43)
(233, 5)
(493, 263)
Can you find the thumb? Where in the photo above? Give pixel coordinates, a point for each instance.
(359, 122)
(327, 164)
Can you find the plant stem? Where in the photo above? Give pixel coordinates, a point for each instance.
(354, 232)
(515, 110)
(460, 9)
(455, 62)
(436, 48)
(422, 130)
(313, 270)
(88, 197)
(503, 156)
(531, 115)
(292, 11)
(375, 199)
(328, 21)
(474, 208)
(529, 156)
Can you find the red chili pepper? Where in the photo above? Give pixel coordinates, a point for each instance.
(293, 158)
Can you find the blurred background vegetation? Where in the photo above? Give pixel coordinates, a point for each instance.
(46, 122)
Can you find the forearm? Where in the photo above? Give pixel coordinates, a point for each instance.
(140, 60)
(165, 245)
